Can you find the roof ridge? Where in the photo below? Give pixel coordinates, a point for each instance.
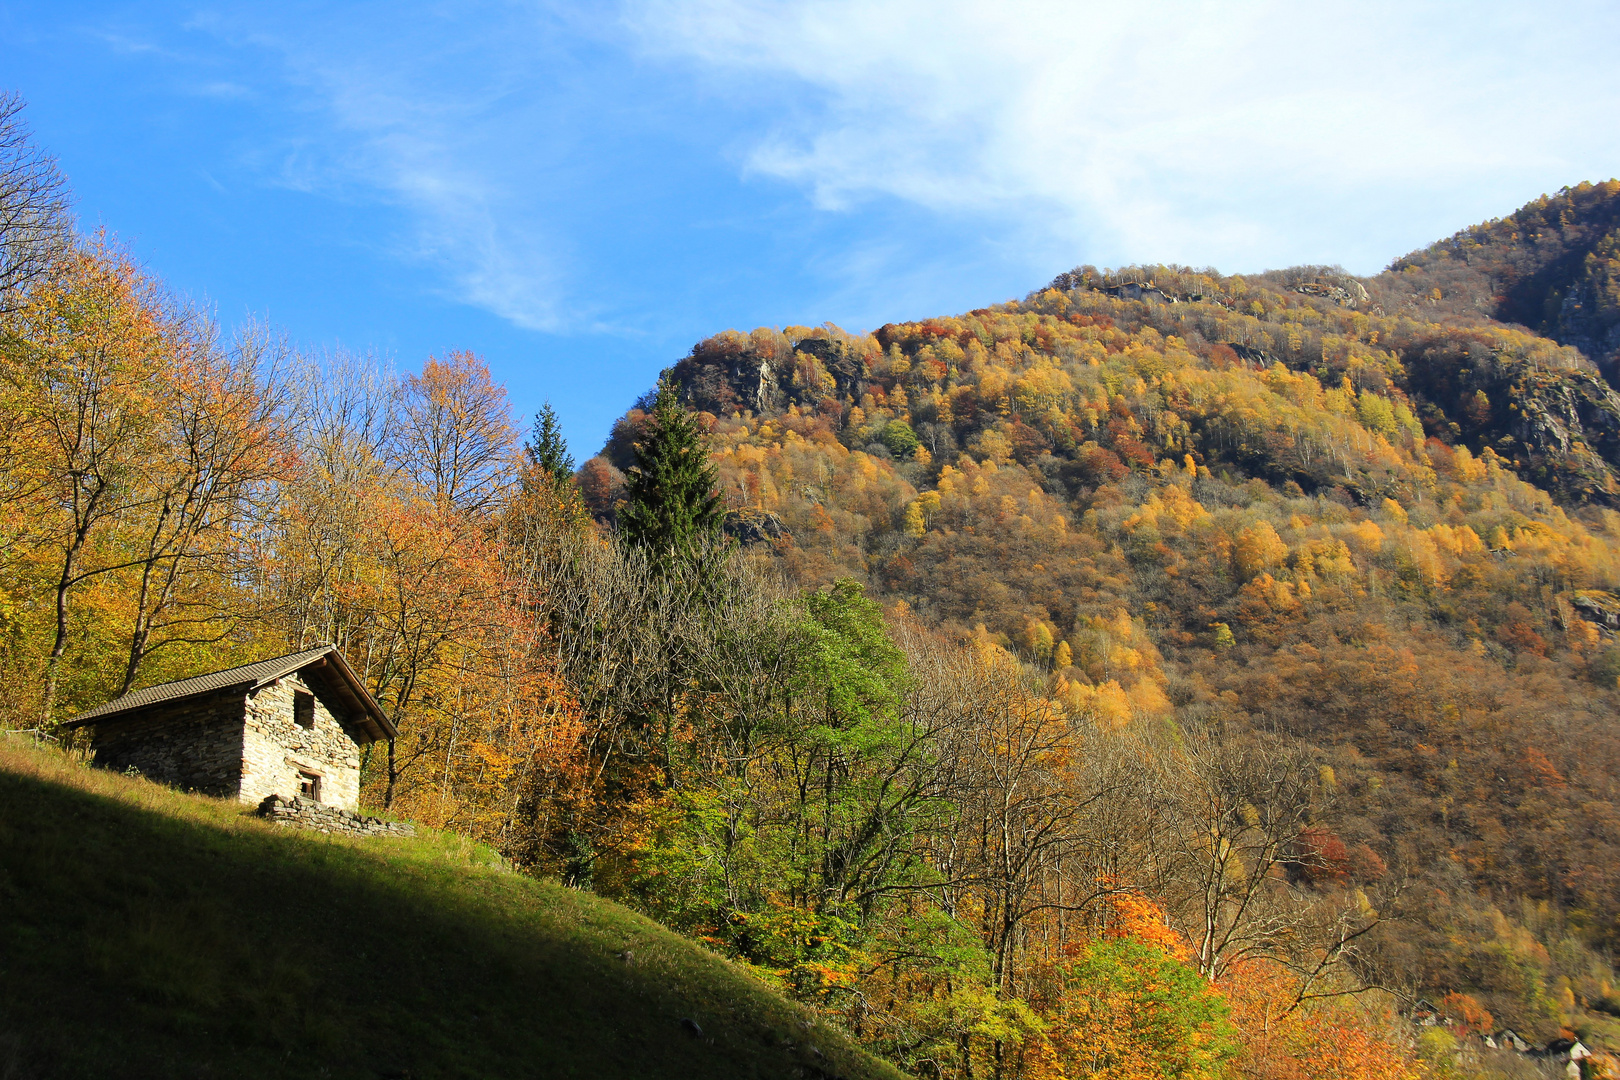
(371, 717)
(256, 673)
(228, 670)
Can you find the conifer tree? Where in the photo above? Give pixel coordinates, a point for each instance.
(546, 448)
(671, 504)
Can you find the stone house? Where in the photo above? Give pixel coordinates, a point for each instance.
(291, 725)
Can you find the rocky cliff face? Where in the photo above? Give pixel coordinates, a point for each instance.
(763, 373)
(1541, 408)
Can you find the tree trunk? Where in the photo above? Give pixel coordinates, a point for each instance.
(393, 777)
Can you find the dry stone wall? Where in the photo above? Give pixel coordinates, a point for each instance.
(194, 744)
(277, 753)
(308, 814)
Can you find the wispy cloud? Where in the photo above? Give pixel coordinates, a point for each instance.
(576, 170)
(407, 108)
(1229, 132)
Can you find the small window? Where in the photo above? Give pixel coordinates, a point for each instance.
(303, 709)
(309, 785)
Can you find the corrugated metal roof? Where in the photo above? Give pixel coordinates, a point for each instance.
(248, 676)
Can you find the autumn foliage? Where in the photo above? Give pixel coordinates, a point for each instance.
(1168, 675)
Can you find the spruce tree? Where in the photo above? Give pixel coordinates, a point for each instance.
(546, 448)
(671, 505)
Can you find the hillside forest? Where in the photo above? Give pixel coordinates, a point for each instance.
(1168, 674)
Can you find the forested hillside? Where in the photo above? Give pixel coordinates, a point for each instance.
(1553, 266)
(1258, 504)
(1168, 675)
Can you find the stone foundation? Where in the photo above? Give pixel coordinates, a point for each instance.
(308, 814)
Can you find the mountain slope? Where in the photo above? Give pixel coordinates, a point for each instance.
(148, 933)
(1262, 503)
(1553, 265)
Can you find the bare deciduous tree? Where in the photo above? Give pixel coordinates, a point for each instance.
(222, 427)
(1230, 847)
(34, 228)
(453, 434)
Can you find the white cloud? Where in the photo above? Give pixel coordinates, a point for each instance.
(1232, 133)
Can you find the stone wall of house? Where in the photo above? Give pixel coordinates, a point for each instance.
(308, 814)
(195, 744)
(276, 750)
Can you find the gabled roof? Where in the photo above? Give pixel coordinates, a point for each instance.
(324, 665)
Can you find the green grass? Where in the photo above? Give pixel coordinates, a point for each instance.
(144, 932)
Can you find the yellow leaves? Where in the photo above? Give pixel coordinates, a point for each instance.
(1366, 535)
(1583, 634)
(991, 446)
(992, 385)
(1148, 699)
(913, 524)
(1111, 706)
(1174, 504)
(1325, 558)
(1108, 706)
(1376, 413)
(1040, 388)
(1257, 549)
(1036, 638)
(1466, 468)
(1457, 540)
(1278, 597)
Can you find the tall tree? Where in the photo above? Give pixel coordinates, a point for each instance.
(34, 231)
(222, 430)
(87, 363)
(454, 434)
(672, 504)
(546, 448)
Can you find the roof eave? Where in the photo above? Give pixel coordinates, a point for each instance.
(369, 715)
(85, 720)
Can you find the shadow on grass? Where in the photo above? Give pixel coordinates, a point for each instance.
(165, 941)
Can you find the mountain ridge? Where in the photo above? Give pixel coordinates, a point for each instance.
(1377, 521)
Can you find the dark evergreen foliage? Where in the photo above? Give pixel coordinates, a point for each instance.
(671, 501)
(546, 448)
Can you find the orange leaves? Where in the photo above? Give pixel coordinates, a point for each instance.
(1136, 916)
(1256, 549)
(1540, 770)
(455, 437)
(1467, 1014)
(1336, 1039)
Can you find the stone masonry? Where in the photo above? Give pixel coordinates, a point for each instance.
(308, 814)
(278, 755)
(285, 726)
(195, 743)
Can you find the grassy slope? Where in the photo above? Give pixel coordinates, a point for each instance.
(148, 933)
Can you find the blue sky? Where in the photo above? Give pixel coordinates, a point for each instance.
(578, 192)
